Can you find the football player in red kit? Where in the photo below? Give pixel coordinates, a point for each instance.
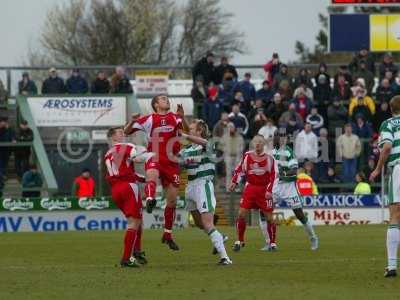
(163, 129)
(119, 161)
(260, 173)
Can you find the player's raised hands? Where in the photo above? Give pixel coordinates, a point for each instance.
(135, 117)
(179, 110)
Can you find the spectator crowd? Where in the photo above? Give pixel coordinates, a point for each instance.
(331, 119)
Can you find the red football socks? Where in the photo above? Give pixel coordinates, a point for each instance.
(150, 189)
(271, 227)
(169, 218)
(129, 242)
(240, 228)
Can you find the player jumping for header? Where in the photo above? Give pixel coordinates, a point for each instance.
(259, 170)
(163, 129)
(389, 143)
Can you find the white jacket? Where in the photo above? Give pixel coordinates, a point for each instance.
(306, 146)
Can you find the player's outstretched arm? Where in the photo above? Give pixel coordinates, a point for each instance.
(385, 152)
(194, 139)
(128, 129)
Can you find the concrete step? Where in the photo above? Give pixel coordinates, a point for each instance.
(12, 188)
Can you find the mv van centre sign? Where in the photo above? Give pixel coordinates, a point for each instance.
(86, 111)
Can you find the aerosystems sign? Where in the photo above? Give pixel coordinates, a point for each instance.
(78, 111)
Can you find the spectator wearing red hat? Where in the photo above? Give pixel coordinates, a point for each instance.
(213, 107)
(272, 68)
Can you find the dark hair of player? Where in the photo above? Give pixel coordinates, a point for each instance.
(395, 105)
(155, 100)
(112, 130)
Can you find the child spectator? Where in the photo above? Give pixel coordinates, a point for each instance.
(239, 120)
(362, 187)
(316, 120)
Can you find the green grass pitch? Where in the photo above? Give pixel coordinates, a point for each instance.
(83, 265)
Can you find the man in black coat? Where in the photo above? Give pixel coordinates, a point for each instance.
(225, 71)
(53, 84)
(6, 135)
(22, 154)
(205, 69)
(101, 85)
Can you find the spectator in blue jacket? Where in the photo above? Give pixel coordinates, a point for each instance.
(212, 108)
(239, 120)
(53, 84)
(362, 129)
(32, 179)
(316, 120)
(27, 86)
(247, 89)
(76, 84)
(266, 93)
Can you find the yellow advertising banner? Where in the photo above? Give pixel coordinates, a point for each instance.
(378, 32)
(393, 32)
